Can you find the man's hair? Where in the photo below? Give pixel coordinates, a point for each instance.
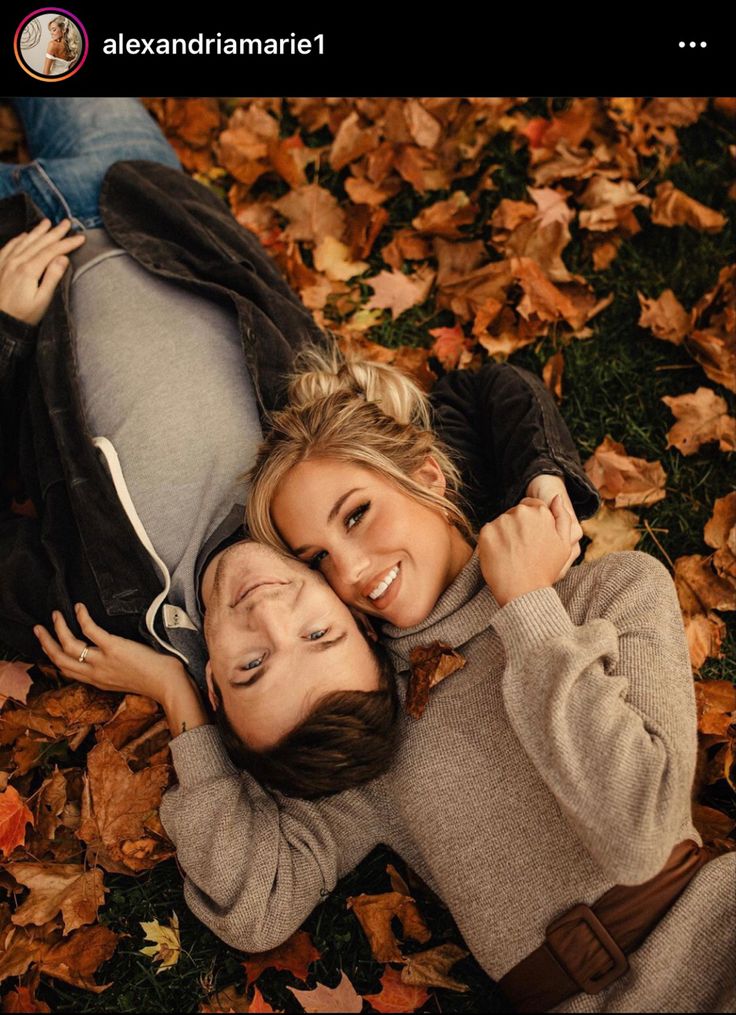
(347, 739)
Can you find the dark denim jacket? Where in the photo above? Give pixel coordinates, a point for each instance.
(501, 421)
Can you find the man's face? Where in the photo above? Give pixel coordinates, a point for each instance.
(278, 639)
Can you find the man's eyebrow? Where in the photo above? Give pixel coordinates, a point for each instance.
(319, 646)
(331, 516)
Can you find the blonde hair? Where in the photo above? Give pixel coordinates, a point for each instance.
(70, 35)
(349, 410)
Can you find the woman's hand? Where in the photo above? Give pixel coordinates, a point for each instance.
(545, 488)
(524, 548)
(111, 663)
(31, 267)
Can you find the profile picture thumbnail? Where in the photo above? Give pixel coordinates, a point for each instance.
(51, 44)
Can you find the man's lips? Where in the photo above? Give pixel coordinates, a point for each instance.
(251, 584)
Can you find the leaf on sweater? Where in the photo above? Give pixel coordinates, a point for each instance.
(665, 316)
(451, 347)
(623, 479)
(705, 633)
(610, 530)
(166, 948)
(396, 995)
(430, 968)
(429, 665)
(397, 292)
(68, 888)
(14, 816)
(118, 806)
(699, 588)
(296, 955)
(14, 682)
(75, 959)
(702, 417)
(672, 207)
(342, 998)
(375, 913)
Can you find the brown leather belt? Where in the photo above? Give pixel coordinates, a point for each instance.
(585, 948)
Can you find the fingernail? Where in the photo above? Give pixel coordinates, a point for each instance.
(37, 631)
(77, 607)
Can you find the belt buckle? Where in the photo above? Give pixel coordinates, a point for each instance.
(593, 984)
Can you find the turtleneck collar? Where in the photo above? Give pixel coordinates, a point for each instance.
(464, 609)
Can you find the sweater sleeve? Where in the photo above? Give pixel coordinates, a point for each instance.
(505, 429)
(606, 710)
(256, 863)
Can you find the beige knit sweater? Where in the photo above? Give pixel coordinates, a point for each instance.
(556, 764)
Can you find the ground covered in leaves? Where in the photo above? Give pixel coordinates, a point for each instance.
(590, 240)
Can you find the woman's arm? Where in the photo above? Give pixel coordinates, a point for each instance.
(605, 710)
(256, 863)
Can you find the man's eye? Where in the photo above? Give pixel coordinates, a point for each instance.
(316, 635)
(317, 559)
(355, 516)
(254, 663)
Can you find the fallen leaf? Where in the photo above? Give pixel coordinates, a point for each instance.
(375, 913)
(429, 665)
(14, 816)
(76, 958)
(444, 218)
(421, 168)
(610, 531)
(167, 942)
(24, 999)
(14, 682)
(711, 823)
(364, 223)
(705, 634)
(699, 588)
(259, 1004)
(312, 213)
(430, 968)
(296, 955)
(625, 480)
(397, 292)
(450, 346)
(229, 999)
(716, 705)
(720, 533)
(609, 204)
(352, 141)
(665, 316)
(332, 257)
(117, 805)
(397, 996)
(552, 374)
(66, 887)
(714, 349)
(342, 998)
(423, 127)
(702, 417)
(672, 207)
(133, 715)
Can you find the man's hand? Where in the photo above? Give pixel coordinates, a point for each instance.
(545, 488)
(524, 548)
(31, 267)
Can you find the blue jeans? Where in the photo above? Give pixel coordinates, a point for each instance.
(73, 142)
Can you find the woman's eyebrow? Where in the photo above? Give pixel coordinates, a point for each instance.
(331, 516)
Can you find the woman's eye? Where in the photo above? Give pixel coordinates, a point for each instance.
(355, 516)
(317, 559)
(316, 635)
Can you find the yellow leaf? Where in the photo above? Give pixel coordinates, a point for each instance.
(167, 947)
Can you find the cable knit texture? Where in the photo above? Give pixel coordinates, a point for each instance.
(558, 762)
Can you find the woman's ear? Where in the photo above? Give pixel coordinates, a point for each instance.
(364, 623)
(431, 475)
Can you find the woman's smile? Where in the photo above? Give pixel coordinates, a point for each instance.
(383, 592)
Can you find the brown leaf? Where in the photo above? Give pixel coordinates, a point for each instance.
(625, 480)
(610, 530)
(14, 816)
(705, 634)
(21, 946)
(312, 212)
(397, 996)
(666, 317)
(421, 168)
(716, 704)
(342, 998)
(552, 374)
(721, 523)
(429, 665)
(444, 218)
(117, 806)
(134, 713)
(423, 127)
(50, 804)
(364, 223)
(715, 350)
(672, 207)
(699, 588)
(609, 204)
(67, 888)
(76, 958)
(229, 999)
(24, 999)
(398, 292)
(375, 912)
(14, 682)
(413, 361)
(296, 955)
(363, 191)
(703, 417)
(430, 968)
(352, 140)
(451, 347)
(332, 257)
(541, 298)
(711, 823)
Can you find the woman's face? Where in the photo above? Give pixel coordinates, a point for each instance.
(381, 550)
(55, 29)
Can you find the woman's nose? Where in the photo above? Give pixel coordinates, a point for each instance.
(352, 566)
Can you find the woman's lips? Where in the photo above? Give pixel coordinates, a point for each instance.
(381, 602)
(251, 584)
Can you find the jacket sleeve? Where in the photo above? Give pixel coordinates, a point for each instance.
(257, 863)
(505, 429)
(606, 710)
